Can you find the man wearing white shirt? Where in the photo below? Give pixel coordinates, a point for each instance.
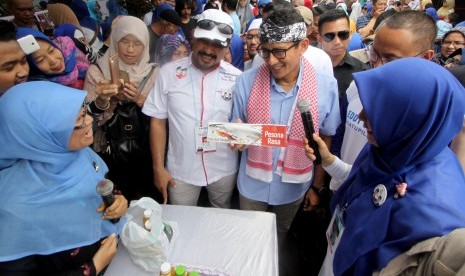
(187, 94)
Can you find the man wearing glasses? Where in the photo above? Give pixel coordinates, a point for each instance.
(276, 179)
(334, 36)
(252, 40)
(404, 34)
(188, 93)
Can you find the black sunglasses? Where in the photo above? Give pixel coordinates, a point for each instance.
(208, 25)
(343, 35)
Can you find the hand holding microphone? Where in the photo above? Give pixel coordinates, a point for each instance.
(115, 206)
(304, 108)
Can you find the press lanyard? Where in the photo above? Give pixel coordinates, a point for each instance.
(364, 190)
(193, 96)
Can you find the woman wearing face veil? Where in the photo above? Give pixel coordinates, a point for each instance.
(50, 212)
(406, 186)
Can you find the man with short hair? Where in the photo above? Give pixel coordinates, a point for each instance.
(277, 179)
(23, 11)
(188, 93)
(334, 37)
(252, 40)
(167, 23)
(404, 34)
(229, 7)
(14, 68)
(365, 22)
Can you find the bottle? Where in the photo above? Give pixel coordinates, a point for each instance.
(194, 273)
(148, 225)
(147, 214)
(180, 270)
(165, 269)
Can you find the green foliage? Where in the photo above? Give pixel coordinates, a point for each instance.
(137, 8)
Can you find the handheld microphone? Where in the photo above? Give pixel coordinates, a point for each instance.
(105, 190)
(304, 108)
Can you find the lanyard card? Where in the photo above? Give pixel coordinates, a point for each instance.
(335, 230)
(202, 145)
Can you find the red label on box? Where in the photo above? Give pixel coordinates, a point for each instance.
(274, 136)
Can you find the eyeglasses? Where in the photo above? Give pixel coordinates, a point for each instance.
(208, 25)
(251, 36)
(277, 53)
(343, 35)
(374, 56)
(456, 43)
(83, 116)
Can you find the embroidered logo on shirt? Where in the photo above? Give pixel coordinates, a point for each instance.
(227, 94)
(181, 72)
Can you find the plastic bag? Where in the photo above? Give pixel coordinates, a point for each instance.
(148, 249)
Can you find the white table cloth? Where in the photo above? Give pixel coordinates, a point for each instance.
(237, 242)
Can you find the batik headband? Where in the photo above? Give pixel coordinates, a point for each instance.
(271, 33)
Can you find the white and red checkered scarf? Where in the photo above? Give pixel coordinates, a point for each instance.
(293, 164)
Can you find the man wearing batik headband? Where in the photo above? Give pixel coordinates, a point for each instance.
(189, 93)
(277, 179)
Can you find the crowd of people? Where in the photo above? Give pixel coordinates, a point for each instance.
(129, 99)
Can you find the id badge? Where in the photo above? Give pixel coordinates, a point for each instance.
(333, 235)
(335, 230)
(201, 143)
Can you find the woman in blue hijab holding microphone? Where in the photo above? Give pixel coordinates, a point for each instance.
(50, 212)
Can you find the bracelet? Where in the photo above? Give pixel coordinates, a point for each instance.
(102, 108)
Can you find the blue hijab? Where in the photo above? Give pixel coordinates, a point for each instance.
(156, 12)
(237, 52)
(48, 200)
(35, 72)
(433, 13)
(83, 15)
(199, 9)
(413, 119)
(65, 30)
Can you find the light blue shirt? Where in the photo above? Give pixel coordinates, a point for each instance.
(278, 192)
(237, 23)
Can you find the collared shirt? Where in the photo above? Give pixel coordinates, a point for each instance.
(343, 74)
(363, 20)
(179, 93)
(278, 192)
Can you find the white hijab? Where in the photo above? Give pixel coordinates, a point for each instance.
(128, 25)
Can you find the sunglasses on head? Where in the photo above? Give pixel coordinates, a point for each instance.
(343, 35)
(208, 25)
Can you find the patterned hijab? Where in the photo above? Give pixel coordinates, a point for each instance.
(168, 45)
(76, 64)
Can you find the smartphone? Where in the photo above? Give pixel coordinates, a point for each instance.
(28, 44)
(123, 75)
(114, 69)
